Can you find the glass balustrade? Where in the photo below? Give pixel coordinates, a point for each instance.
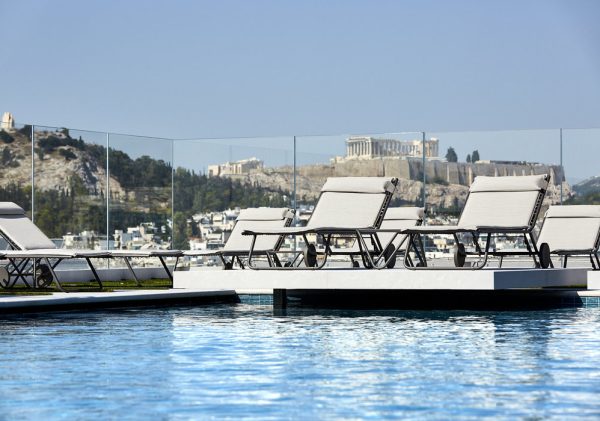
(89, 189)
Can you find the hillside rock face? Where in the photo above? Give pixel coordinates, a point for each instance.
(590, 185)
(447, 183)
(53, 170)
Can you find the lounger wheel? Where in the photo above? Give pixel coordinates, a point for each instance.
(228, 265)
(355, 264)
(4, 277)
(389, 254)
(310, 256)
(43, 276)
(544, 255)
(460, 256)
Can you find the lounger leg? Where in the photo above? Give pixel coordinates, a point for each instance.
(164, 264)
(565, 258)
(533, 253)
(128, 263)
(251, 252)
(365, 254)
(94, 272)
(422, 257)
(276, 260)
(19, 271)
(488, 242)
(240, 262)
(475, 239)
(58, 284)
(269, 260)
(597, 261)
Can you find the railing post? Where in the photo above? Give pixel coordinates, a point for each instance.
(424, 172)
(561, 166)
(33, 173)
(294, 204)
(172, 193)
(107, 193)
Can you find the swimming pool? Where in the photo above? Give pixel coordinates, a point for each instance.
(236, 361)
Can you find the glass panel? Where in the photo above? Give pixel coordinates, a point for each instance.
(465, 155)
(140, 187)
(15, 171)
(581, 158)
(215, 178)
(70, 186)
(371, 155)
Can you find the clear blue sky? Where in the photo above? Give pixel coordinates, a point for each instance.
(266, 68)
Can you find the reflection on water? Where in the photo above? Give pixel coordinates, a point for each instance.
(241, 360)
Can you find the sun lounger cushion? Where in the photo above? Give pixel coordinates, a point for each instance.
(21, 231)
(503, 202)
(264, 214)
(9, 208)
(509, 183)
(360, 199)
(358, 185)
(359, 210)
(257, 219)
(404, 213)
(571, 228)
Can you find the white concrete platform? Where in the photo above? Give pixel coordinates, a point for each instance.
(593, 279)
(265, 281)
(114, 299)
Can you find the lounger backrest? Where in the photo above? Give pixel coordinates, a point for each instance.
(571, 228)
(399, 219)
(18, 229)
(504, 202)
(355, 202)
(257, 219)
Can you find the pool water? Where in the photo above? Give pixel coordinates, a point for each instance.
(242, 361)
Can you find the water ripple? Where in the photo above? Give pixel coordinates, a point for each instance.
(241, 361)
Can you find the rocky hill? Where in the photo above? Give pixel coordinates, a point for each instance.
(585, 187)
(447, 183)
(58, 158)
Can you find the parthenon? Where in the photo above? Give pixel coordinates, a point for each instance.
(367, 147)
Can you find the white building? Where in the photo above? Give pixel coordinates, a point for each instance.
(235, 168)
(368, 147)
(7, 122)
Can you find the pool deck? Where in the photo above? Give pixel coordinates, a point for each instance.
(264, 281)
(61, 301)
(482, 289)
(593, 280)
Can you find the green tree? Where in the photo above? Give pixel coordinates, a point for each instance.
(451, 155)
(181, 231)
(468, 157)
(475, 156)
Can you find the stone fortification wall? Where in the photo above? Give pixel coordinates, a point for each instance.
(447, 182)
(447, 172)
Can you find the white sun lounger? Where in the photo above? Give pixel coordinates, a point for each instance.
(495, 205)
(346, 206)
(572, 230)
(29, 247)
(238, 246)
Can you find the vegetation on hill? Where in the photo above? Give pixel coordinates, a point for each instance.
(74, 208)
(592, 198)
